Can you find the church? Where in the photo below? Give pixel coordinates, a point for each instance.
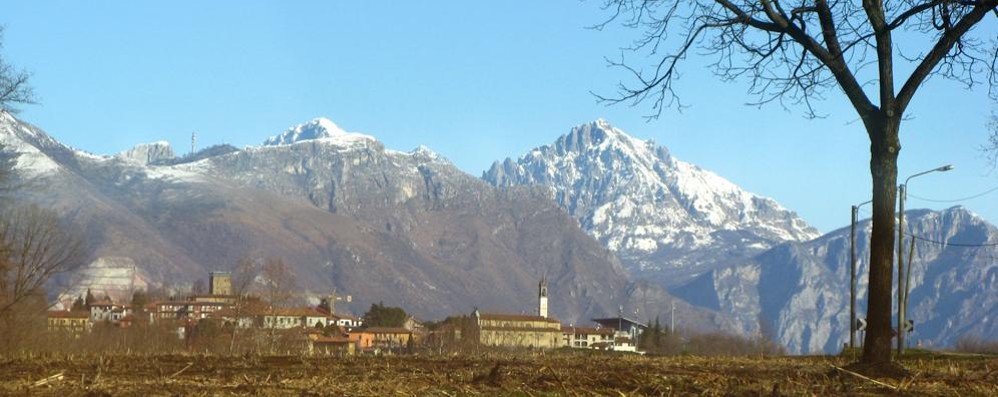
(520, 330)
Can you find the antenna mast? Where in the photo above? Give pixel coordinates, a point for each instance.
(194, 142)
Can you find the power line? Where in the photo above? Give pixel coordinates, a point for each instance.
(955, 200)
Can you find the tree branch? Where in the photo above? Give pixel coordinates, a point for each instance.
(942, 47)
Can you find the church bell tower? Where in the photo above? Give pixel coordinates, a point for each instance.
(542, 298)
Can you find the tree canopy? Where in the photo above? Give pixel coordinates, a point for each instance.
(380, 315)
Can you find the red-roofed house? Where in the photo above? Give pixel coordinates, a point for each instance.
(381, 338)
(331, 345)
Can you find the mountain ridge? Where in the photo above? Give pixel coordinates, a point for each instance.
(668, 220)
(798, 291)
(406, 228)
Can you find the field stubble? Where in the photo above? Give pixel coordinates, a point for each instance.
(526, 374)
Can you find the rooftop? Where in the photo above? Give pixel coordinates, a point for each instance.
(330, 339)
(587, 330)
(613, 322)
(516, 317)
(383, 330)
(67, 314)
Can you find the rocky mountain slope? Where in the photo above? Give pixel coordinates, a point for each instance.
(666, 219)
(798, 293)
(406, 228)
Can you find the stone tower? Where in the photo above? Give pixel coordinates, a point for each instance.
(220, 283)
(542, 298)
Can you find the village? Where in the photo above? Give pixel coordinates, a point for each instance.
(215, 320)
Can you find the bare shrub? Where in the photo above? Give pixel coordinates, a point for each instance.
(720, 344)
(976, 344)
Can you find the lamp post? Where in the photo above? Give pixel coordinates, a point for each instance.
(902, 285)
(852, 274)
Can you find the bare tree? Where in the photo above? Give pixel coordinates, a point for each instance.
(243, 276)
(198, 287)
(794, 52)
(14, 87)
(34, 246)
(991, 149)
(279, 288)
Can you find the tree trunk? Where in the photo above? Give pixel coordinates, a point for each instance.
(884, 149)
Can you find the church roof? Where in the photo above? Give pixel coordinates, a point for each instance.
(516, 317)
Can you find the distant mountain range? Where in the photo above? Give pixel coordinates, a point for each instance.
(410, 229)
(798, 293)
(667, 220)
(724, 249)
(406, 228)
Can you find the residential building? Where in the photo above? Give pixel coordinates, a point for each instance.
(384, 338)
(285, 318)
(345, 321)
(229, 299)
(626, 332)
(587, 337)
(336, 345)
(75, 323)
(100, 311)
(186, 309)
(416, 327)
(107, 312)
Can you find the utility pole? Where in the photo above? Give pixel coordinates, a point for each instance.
(902, 282)
(620, 318)
(852, 280)
(852, 274)
(900, 340)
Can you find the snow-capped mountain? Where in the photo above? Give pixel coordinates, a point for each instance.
(318, 129)
(148, 153)
(667, 219)
(798, 293)
(406, 228)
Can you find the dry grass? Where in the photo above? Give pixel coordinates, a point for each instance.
(488, 374)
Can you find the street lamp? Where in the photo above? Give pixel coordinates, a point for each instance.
(852, 275)
(902, 284)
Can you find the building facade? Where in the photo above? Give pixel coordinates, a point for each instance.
(73, 323)
(517, 330)
(587, 337)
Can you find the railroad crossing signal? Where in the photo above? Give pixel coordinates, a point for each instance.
(909, 326)
(860, 324)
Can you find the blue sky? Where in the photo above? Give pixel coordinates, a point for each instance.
(474, 81)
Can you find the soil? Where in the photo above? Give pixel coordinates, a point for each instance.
(526, 374)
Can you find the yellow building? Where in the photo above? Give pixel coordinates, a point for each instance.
(518, 330)
(75, 323)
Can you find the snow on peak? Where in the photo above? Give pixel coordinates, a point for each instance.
(147, 153)
(321, 129)
(25, 143)
(636, 198)
(6, 117)
(423, 149)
